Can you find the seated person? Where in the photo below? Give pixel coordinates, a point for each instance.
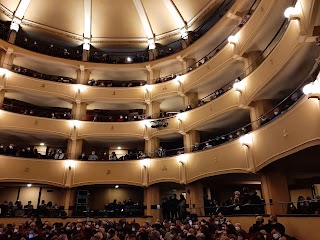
(196, 147)
(161, 152)
(113, 156)
(258, 226)
(83, 156)
(207, 146)
(93, 156)
(273, 224)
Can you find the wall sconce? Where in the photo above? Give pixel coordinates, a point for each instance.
(70, 164)
(181, 116)
(79, 88)
(145, 163)
(75, 123)
(239, 86)
(147, 88)
(3, 71)
(246, 140)
(292, 13)
(179, 79)
(182, 158)
(184, 33)
(312, 90)
(146, 123)
(233, 39)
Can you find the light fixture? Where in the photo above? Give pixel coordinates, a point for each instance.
(86, 44)
(145, 163)
(182, 158)
(75, 123)
(129, 59)
(3, 71)
(233, 39)
(79, 87)
(29, 185)
(147, 87)
(152, 44)
(246, 140)
(116, 186)
(179, 79)
(119, 148)
(70, 164)
(292, 13)
(308, 89)
(181, 116)
(41, 144)
(184, 33)
(15, 24)
(238, 86)
(146, 123)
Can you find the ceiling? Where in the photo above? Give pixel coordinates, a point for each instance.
(112, 22)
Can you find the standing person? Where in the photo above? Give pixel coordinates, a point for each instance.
(164, 208)
(182, 207)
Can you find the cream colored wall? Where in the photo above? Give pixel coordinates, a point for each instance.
(99, 197)
(29, 194)
(56, 197)
(9, 194)
(294, 194)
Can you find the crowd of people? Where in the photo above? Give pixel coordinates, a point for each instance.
(216, 228)
(105, 156)
(109, 83)
(36, 74)
(17, 209)
(51, 49)
(13, 150)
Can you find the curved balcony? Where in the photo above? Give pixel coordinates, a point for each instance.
(228, 102)
(289, 133)
(259, 17)
(14, 121)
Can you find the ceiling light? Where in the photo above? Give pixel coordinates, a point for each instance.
(41, 144)
(129, 59)
(119, 147)
(116, 186)
(152, 44)
(29, 185)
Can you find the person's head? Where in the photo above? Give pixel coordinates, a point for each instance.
(29, 202)
(259, 220)
(237, 226)
(272, 219)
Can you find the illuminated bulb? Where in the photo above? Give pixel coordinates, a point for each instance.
(308, 89)
(181, 116)
(245, 140)
(145, 163)
(147, 87)
(29, 185)
(70, 164)
(129, 59)
(238, 86)
(75, 123)
(182, 158)
(233, 39)
(116, 186)
(119, 148)
(41, 144)
(291, 12)
(3, 71)
(152, 44)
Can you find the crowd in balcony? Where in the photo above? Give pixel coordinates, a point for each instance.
(23, 108)
(36, 74)
(13, 150)
(17, 209)
(109, 83)
(48, 48)
(106, 156)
